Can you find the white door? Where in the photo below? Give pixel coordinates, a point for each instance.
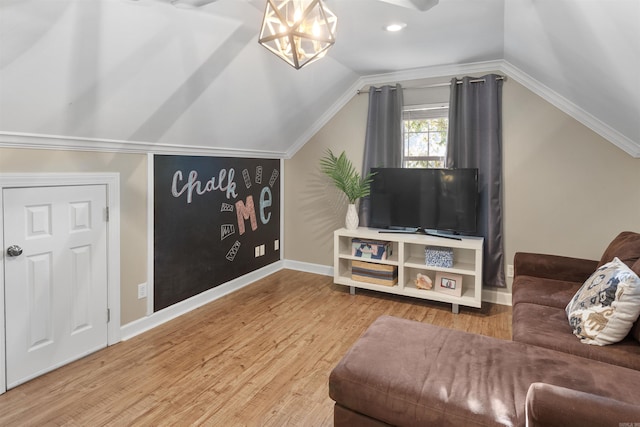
(56, 288)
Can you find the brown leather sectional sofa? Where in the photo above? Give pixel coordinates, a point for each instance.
(407, 373)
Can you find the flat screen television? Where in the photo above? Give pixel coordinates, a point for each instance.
(424, 200)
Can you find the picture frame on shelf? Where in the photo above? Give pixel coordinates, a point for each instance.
(448, 283)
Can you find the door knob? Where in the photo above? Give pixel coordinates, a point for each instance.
(14, 250)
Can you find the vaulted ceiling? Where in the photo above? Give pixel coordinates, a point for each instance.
(146, 75)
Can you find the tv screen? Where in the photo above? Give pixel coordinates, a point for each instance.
(428, 199)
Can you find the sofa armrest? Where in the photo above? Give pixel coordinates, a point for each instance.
(553, 267)
(550, 406)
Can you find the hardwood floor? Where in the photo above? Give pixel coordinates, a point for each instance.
(260, 356)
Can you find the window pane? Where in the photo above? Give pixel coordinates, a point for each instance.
(425, 142)
(417, 145)
(438, 124)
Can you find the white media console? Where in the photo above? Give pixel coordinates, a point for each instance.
(409, 257)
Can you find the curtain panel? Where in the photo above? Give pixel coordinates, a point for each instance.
(383, 140)
(475, 141)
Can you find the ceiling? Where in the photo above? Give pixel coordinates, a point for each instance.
(143, 75)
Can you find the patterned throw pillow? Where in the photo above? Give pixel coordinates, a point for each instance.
(605, 307)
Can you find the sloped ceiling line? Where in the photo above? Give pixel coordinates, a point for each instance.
(619, 140)
(22, 140)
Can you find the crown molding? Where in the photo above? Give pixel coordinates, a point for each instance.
(324, 119)
(57, 142)
(554, 98)
(431, 72)
(385, 78)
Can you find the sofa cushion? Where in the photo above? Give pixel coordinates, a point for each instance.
(554, 293)
(635, 330)
(606, 306)
(408, 373)
(547, 327)
(626, 247)
(550, 405)
(553, 266)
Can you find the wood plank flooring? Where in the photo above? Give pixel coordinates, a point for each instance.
(260, 356)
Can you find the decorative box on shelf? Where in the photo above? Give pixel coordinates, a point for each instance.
(371, 249)
(379, 274)
(438, 256)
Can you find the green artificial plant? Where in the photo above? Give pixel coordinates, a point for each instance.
(345, 177)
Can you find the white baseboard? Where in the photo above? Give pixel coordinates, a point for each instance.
(497, 296)
(130, 330)
(139, 326)
(308, 267)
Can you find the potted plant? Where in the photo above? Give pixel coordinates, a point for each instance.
(347, 179)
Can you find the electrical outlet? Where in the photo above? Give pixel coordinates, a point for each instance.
(261, 250)
(276, 245)
(256, 251)
(142, 290)
(509, 270)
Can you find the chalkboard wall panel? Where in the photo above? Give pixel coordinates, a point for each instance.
(210, 215)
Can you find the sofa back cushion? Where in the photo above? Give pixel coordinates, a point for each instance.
(635, 330)
(626, 247)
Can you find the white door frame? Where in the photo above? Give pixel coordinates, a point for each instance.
(112, 182)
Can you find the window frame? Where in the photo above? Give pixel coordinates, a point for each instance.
(422, 112)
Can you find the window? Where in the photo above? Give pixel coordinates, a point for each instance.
(424, 136)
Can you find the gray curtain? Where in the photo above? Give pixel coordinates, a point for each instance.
(475, 141)
(383, 140)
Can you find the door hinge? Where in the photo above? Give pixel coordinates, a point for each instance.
(108, 315)
(106, 213)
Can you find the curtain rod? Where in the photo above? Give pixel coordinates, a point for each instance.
(435, 85)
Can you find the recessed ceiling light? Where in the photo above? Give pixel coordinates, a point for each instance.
(395, 27)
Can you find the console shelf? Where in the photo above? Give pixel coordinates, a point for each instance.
(408, 257)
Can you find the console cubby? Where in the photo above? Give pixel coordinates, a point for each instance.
(409, 257)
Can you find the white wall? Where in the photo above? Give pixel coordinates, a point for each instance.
(145, 71)
(586, 51)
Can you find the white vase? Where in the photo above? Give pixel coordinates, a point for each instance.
(352, 220)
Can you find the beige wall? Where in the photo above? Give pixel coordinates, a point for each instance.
(133, 207)
(566, 190)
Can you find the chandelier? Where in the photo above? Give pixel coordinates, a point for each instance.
(298, 31)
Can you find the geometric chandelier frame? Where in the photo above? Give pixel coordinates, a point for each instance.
(298, 31)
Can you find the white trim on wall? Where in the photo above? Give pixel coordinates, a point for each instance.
(145, 324)
(281, 243)
(386, 78)
(554, 98)
(610, 134)
(57, 142)
(112, 182)
(150, 234)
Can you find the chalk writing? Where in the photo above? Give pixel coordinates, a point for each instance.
(193, 184)
(246, 211)
(258, 174)
(231, 255)
(265, 202)
(226, 230)
(274, 176)
(226, 207)
(247, 178)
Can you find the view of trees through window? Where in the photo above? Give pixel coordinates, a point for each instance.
(425, 138)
